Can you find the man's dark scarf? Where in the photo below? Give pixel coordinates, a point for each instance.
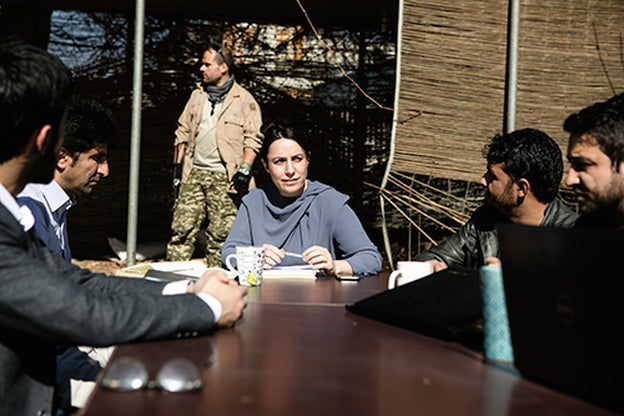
(216, 94)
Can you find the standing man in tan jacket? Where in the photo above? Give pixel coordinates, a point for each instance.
(216, 143)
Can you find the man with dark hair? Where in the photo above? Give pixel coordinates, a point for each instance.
(524, 170)
(81, 164)
(46, 301)
(216, 143)
(596, 155)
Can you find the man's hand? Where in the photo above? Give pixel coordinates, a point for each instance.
(227, 291)
(492, 261)
(437, 265)
(177, 178)
(241, 178)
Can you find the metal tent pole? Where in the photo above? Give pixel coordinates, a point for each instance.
(395, 116)
(135, 133)
(512, 65)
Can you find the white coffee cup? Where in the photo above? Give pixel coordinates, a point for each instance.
(408, 271)
(249, 262)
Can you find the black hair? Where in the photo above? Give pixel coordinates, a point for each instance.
(89, 124)
(282, 129)
(604, 122)
(35, 89)
(224, 55)
(530, 154)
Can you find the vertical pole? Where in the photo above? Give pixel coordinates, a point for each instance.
(135, 133)
(512, 65)
(359, 140)
(395, 117)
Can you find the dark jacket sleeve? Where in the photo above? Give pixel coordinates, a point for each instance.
(45, 296)
(460, 249)
(469, 246)
(478, 239)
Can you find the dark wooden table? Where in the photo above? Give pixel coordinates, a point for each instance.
(299, 352)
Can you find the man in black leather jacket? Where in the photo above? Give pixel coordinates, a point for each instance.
(524, 170)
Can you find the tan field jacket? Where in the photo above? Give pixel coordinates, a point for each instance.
(238, 128)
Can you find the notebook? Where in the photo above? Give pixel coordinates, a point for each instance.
(564, 291)
(440, 305)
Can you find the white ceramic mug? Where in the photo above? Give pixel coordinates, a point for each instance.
(249, 262)
(408, 271)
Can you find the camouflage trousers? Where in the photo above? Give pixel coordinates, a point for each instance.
(203, 200)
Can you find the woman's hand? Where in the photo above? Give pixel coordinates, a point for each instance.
(272, 255)
(321, 259)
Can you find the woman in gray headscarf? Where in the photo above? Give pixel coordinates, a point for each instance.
(293, 215)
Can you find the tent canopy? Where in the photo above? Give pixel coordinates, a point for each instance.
(347, 13)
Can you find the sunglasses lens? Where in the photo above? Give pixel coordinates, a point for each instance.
(179, 375)
(125, 374)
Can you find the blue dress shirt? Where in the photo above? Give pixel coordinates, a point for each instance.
(49, 205)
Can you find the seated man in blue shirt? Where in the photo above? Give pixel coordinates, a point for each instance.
(80, 165)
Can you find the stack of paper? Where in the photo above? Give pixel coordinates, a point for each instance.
(290, 272)
(193, 268)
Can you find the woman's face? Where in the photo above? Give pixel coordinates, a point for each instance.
(287, 164)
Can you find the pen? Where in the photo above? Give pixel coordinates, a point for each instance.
(288, 253)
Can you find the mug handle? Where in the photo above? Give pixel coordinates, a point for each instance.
(228, 263)
(392, 279)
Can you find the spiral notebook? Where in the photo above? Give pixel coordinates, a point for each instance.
(564, 292)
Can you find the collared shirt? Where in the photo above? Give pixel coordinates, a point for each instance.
(49, 204)
(21, 214)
